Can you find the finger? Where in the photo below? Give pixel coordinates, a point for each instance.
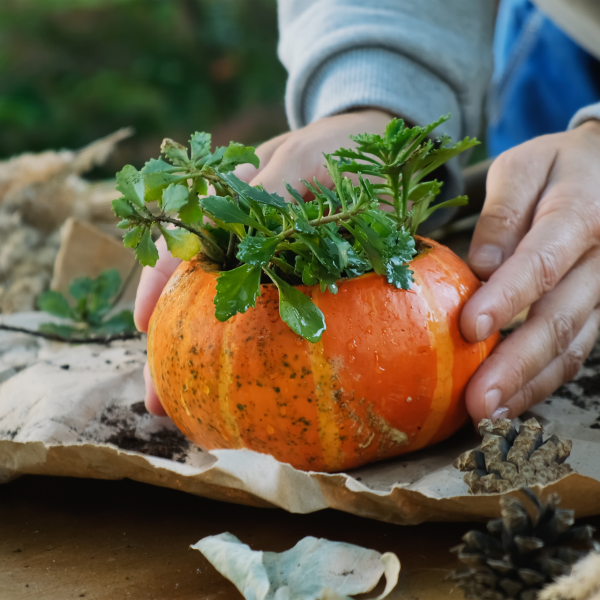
(151, 285)
(265, 151)
(552, 324)
(514, 184)
(553, 245)
(152, 401)
(559, 371)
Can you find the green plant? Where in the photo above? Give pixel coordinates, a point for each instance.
(94, 299)
(256, 235)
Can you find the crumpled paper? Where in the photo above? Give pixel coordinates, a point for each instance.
(314, 569)
(78, 411)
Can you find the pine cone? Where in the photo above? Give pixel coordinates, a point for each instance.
(507, 460)
(521, 553)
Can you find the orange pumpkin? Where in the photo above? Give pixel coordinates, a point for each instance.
(388, 376)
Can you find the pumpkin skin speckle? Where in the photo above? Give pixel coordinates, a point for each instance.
(388, 376)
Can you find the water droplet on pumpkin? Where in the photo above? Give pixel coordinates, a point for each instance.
(352, 358)
(352, 345)
(377, 362)
(409, 399)
(270, 430)
(369, 330)
(283, 410)
(206, 389)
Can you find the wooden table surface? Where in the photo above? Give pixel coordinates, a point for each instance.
(64, 538)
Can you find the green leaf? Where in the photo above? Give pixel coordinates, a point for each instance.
(123, 208)
(238, 154)
(245, 190)
(257, 251)
(81, 288)
(174, 197)
(130, 183)
(181, 243)
(303, 226)
(146, 251)
(322, 251)
(124, 224)
(132, 238)
(119, 323)
(298, 311)
(371, 242)
(237, 290)
(200, 144)
(294, 193)
(55, 304)
(158, 174)
(191, 212)
(107, 284)
(175, 152)
(226, 210)
(398, 274)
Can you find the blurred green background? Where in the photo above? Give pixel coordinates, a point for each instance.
(72, 71)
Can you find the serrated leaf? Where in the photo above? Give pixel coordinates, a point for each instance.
(319, 247)
(181, 243)
(130, 183)
(123, 208)
(373, 245)
(119, 323)
(200, 144)
(214, 159)
(238, 154)
(132, 238)
(55, 304)
(298, 311)
(258, 195)
(146, 251)
(159, 174)
(398, 273)
(177, 153)
(237, 291)
(174, 197)
(257, 251)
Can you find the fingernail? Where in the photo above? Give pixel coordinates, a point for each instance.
(486, 256)
(492, 402)
(500, 413)
(245, 172)
(483, 327)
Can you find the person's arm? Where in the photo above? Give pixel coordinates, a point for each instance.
(415, 60)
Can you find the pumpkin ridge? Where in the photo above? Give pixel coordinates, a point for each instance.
(441, 341)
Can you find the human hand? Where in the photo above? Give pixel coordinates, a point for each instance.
(537, 244)
(292, 156)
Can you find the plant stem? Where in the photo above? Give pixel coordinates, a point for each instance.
(59, 338)
(322, 221)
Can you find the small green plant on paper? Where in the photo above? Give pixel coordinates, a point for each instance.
(257, 237)
(89, 314)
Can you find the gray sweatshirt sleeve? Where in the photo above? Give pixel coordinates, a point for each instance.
(587, 113)
(416, 59)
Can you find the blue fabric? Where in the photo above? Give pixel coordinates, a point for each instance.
(541, 77)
